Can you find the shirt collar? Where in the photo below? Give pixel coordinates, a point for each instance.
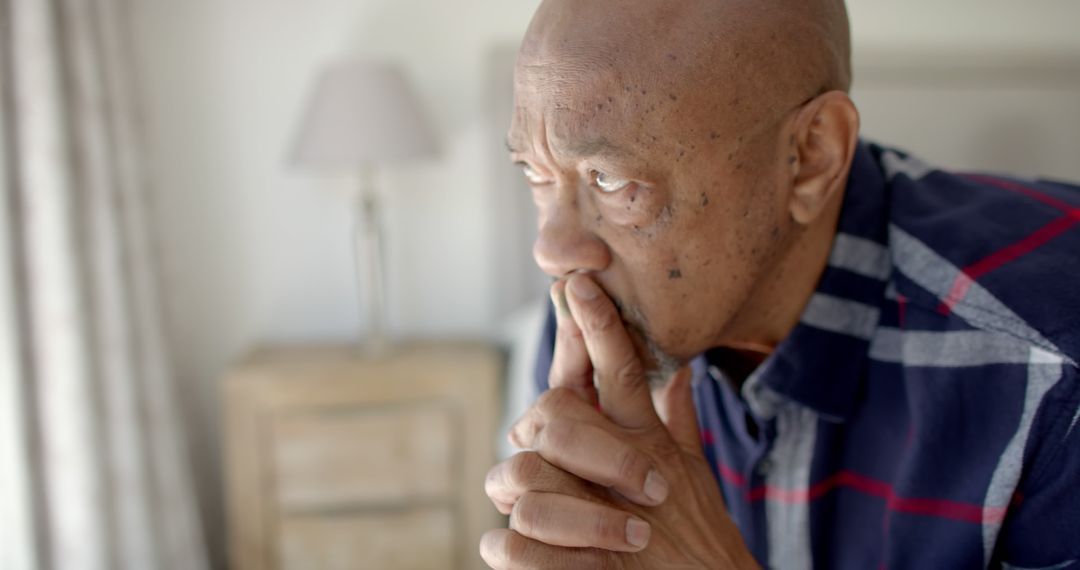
(821, 363)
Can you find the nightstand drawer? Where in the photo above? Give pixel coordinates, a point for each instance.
(417, 539)
(364, 456)
(340, 460)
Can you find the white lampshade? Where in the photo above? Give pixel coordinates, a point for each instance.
(361, 113)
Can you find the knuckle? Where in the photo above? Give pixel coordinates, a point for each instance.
(528, 515)
(524, 468)
(632, 468)
(557, 434)
(628, 373)
(555, 399)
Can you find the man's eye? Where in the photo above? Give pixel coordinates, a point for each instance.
(608, 183)
(532, 175)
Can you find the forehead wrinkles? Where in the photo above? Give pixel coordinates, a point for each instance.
(571, 98)
(555, 74)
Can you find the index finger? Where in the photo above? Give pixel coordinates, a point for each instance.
(570, 365)
(623, 390)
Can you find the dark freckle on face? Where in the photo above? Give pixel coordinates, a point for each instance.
(674, 274)
(730, 156)
(633, 198)
(739, 166)
(644, 92)
(791, 159)
(775, 233)
(714, 135)
(671, 57)
(599, 218)
(704, 200)
(672, 97)
(610, 100)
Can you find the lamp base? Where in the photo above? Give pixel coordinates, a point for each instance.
(368, 254)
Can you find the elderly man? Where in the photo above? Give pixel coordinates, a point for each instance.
(776, 344)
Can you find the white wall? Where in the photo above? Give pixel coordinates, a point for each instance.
(252, 251)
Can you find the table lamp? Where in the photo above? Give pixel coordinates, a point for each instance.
(362, 115)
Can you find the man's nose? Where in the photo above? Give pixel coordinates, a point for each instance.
(564, 245)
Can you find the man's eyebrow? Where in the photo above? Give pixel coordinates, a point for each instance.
(595, 146)
(581, 147)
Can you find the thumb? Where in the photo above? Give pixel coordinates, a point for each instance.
(675, 405)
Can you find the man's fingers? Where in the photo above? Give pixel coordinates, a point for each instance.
(675, 404)
(564, 402)
(594, 454)
(560, 520)
(623, 391)
(528, 471)
(505, 549)
(570, 364)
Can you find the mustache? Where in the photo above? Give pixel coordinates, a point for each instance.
(632, 317)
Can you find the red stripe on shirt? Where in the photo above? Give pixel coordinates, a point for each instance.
(940, 508)
(969, 274)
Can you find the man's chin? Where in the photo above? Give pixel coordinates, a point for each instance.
(659, 365)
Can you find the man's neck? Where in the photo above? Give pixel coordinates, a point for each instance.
(778, 302)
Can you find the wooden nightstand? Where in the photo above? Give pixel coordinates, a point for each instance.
(335, 461)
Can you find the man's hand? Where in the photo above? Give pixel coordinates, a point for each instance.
(616, 477)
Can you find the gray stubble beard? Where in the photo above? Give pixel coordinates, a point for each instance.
(659, 365)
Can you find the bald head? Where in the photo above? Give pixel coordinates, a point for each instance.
(750, 55)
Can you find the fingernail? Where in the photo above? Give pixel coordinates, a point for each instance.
(656, 487)
(583, 288)
(560, 303)
(637, 532)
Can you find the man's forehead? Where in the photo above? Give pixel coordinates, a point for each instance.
(577, 102)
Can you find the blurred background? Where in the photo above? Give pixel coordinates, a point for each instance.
(239, 270)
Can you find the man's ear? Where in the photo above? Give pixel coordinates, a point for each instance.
(826, 133)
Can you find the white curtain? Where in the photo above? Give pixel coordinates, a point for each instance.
(93, 467)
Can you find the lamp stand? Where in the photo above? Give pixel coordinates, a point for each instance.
(368, 251)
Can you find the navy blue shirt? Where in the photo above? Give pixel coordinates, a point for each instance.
(924, 412)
